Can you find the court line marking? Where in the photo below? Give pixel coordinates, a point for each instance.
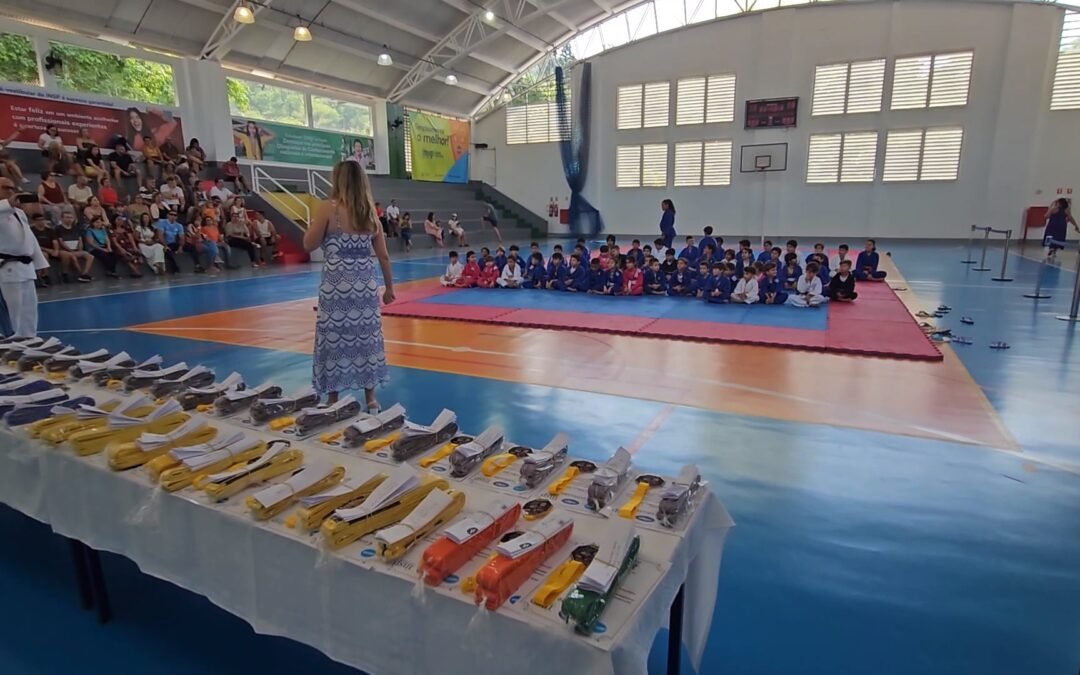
(650, 429)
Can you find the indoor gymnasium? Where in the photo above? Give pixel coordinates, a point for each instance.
(552, 336)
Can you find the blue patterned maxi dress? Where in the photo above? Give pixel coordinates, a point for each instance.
(349, 351)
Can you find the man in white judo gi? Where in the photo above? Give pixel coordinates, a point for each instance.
(20, 258)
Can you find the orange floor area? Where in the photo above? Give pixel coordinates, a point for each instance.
(933, 400)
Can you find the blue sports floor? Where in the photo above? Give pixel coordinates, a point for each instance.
(855, 551)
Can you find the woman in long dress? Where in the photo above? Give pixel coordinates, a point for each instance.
(152, 250)
(349, 351)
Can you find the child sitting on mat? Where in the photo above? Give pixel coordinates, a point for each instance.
(866, 267)
(613, 284)
(669, 265)
(584, 247)
(633, 282)
(841, 256)
(808, 290)
(515, 253)
(555, 276)
(576, 279)
(746, 291)
(690, 252)
(706, 240)
(705, 281)
(454, 270)
(500, 258)
(708, 256)
(470, 275)
(744, 261)
(770, 288)
(792, 247)
(511, 274)
(792, 272)
(842, 286)
(489, 276)
(654, 279)
(636, 253)
(682, 282)
(534, 249)
(766, 252)
(822, 260)
(597, 277)
(485, 255)
(534, 273)
(719, 284)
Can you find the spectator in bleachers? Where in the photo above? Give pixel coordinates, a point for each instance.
(231, 172)
(93, 164)
(93, 210)
(137, 208)
(96, 241)
(196, 157)
(172, 238)
(83, 142)
(149, 239)
(125, 247)
(73, 257)
(51, 197)
(79, 193)
(194, 245)
(432, 227)
(213, 209)
(52, 147)
(212, 244)
(238, 236)
(170, 154)
(238, 210)
(220, 191)
(405, 228)
(47, 242)
(393, 218)
(457, 230)
(265, 234)
(9, 168)
(123, 165)
(172, 194)
(151, 155)
(157, 207)
(107, 193)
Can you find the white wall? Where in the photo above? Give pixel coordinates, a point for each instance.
(1013, 145)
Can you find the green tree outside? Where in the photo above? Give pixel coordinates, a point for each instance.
(266, 102)
(18, 62)
(93, 72)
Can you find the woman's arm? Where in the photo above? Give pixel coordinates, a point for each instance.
(316, 232)
(379, 241)
(41, 193)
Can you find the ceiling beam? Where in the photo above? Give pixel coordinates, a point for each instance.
(519, 35)
(469, 35)
(216, 47)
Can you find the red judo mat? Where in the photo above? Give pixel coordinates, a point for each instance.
(877, 324)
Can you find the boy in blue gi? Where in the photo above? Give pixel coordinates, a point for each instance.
(534, 273)
(708, 256)
(555, 277)
(774, 257)
(744, 245)
(485, 255)
(558, 249)
(648, 253)
(500, 258)
(577, 277)
(613, 283)
(792, 247)
(866, 266)
(580, 251)
(636, 252)
(597, 278)
(791, 272)
(682, 282)
(770, 289)
(766, 252)
(707, 240)
(654, 279)
(534, 249)
(669, 265)
(704, 280)
(584, 248)
(618, 260)
(822, 260)
(720, 285)
(691, 253)
(745, 260)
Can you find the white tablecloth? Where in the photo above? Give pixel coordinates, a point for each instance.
(283, 584)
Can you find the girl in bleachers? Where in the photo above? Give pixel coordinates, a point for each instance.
(153, 250)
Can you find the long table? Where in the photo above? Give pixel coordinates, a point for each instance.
(347, 604)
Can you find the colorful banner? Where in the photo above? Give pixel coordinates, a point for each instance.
(266, 141)
(440, 148)
(30, 111)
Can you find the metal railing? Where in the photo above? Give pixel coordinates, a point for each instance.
(318, 184)
(288, 203)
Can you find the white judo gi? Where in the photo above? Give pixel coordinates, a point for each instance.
(17, 278)
(808, 293)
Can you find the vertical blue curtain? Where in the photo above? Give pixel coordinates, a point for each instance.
(585, 220)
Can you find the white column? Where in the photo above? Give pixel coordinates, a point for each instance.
(205, 107)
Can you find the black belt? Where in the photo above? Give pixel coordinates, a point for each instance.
(5, 258)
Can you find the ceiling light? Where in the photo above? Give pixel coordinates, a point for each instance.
(301, 34)
(243, 14)
(264, 74)
(506, 97)
(489, 15)
(384, 58)
(451, 79)
(115, 40)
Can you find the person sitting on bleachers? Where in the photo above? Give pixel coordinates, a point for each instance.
(79, 193)
(110, 199)
(230, 170)
(454, 225)
(237, 236)
(94, 209)
(46, 239)
(123, 165)
(51, 197)
(72, 254)
(96, 241)
(265, 235)
(93, 164)
(393, 218)
(432, 228)
(125, 247)
(172, 195)
(137, 207)
(9, 168)
(52, 148)
(222, 193)
(149, 239)
(196, 157)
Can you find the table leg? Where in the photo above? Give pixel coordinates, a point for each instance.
(82, 574)
(674, 645)
(97, 583)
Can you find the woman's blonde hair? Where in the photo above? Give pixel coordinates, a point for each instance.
(352, 190)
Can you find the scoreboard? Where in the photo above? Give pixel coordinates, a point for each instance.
(772, 113)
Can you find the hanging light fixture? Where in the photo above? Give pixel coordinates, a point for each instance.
(384, 57)
(243, 13)
(451, 79)
(506, 96)
(489, 15)
(301, 34)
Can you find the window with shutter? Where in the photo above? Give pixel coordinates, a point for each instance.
(936, 81)
(628, 166)
(859, 157)
(902, 150)
(654, 165)
(1066, 92)
(720, 100)
(688, 164)
(690, 102)
(849, 88)
(823, 158)
(830, 89)
(911, 82)
(717, 163)
(657, 104)
(628, 107)
(516, 124)
(941, 153)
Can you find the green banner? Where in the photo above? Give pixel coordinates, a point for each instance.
(440, 148)
(266, 141)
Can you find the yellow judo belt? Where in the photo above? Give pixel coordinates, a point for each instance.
(287, 495)
(37, 429)
(311, 517)
(162, 420)
(182, 476)
(565, 575)
(340, 532)
(575, 469)
(135, 453)
(63, 430)
(222, 486)
(495, 464)
(443, 452)
(436, 509)
(645, 482)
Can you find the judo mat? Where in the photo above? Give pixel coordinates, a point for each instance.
(877, 324)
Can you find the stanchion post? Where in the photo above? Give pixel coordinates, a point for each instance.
(982, 261)
(1004, 257)
(1038, 294)
(970, 244)
(1072, 315)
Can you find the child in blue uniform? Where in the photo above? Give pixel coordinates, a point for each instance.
(719, 285)
(682, 282)
(586, 255)
(792, 247)
(707, 240)
(654, 279)
(637, 253)
(613, 283)
(555, 276)
(534, 273)
(597, 278)
(791, 271)
(534, 249)
(500, 258)
(669, 265)
(766, 252)
(705, 281)
(770, 289)
(577, 277)
(708, 256)
(745, 260)
(822, 260)
(866, 267)
(690, 252)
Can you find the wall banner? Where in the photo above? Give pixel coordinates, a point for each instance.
(440, 148)
(266, 141)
